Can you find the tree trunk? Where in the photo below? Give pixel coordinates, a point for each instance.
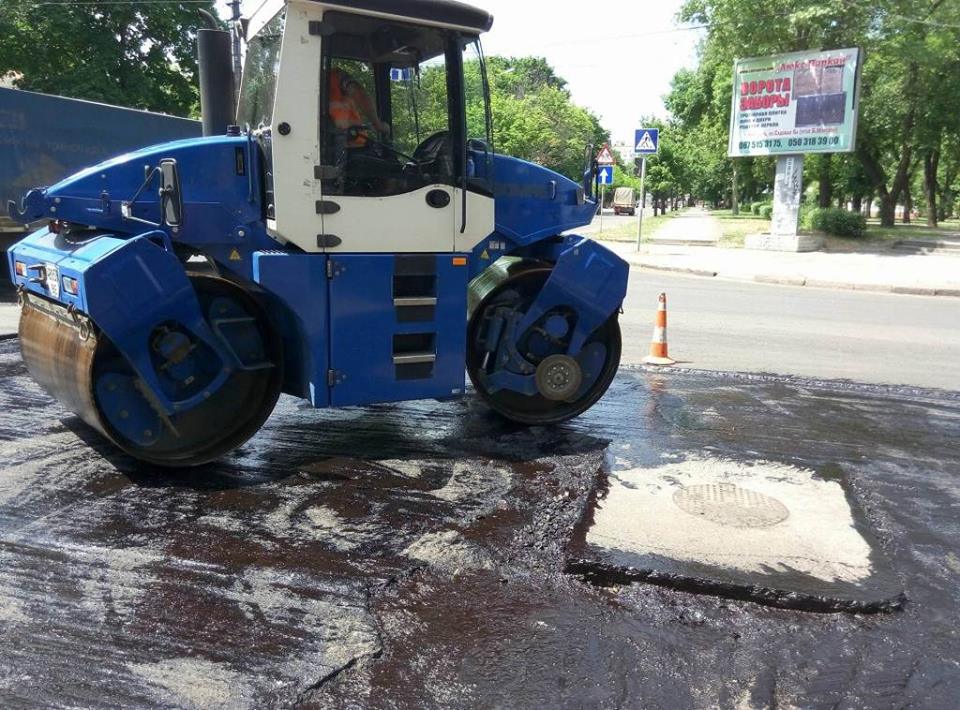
(931, 163)
(901, 178)
(840, 202)
(947, 197)
(946, 204)
(735, 206)
(888, 210)
(823, 176)
(907, 204)
(857, 203)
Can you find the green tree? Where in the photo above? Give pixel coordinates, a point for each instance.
(907, 113)
(141, 55)
(534, 117)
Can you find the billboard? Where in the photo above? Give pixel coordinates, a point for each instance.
(804, 102)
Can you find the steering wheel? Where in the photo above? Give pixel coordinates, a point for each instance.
(431, 148)
(363, 129)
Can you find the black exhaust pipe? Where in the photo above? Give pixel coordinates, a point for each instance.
(215, 61)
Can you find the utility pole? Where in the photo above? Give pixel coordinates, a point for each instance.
(237, 67)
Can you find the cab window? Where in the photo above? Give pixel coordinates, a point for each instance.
(259, 85)
(385, 109)
(479, 127)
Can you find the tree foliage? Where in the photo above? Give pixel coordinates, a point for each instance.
(535, 118)
(141, 55)
(909, 113)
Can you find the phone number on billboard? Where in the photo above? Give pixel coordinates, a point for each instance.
(746, 145)
(817, 140)
(791, 142)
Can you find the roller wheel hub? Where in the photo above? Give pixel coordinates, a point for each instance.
(564, 386)
(559, 377)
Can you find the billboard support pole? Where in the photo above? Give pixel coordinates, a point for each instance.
(787, 192)
(736, 195)
(643, 199)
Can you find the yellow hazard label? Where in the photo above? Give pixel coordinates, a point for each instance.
(234, 255)
(485, 255)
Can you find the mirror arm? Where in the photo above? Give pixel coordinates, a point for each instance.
(126, 208)
(150, 172)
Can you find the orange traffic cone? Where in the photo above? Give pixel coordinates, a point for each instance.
(658, 344)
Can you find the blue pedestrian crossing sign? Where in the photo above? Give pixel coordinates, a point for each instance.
(646, 141)
(605, 175)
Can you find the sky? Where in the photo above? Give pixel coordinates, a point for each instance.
(618, 63)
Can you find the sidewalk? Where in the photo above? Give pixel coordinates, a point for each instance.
(888, 271)
(691, 227)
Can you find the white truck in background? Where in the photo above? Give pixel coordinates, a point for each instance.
(625, 201)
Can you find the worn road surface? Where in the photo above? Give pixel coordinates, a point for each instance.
(430, 555)
(732, 325)
(736, 326)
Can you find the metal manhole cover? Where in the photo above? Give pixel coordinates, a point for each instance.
(728, 504)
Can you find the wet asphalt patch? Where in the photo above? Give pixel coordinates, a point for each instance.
(762, 531)
(417, 555)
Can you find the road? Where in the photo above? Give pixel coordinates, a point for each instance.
(610, 222)
(435, 555)
(431, 555)
(746, 327)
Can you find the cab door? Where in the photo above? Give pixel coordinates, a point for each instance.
(387, 181)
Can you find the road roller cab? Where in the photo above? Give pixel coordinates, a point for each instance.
(354, 238)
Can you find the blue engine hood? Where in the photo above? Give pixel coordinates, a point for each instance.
(214, 172)
(533, 202)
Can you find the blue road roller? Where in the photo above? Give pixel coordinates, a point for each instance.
(344, 232)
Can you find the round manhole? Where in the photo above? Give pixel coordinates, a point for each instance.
(728, 504)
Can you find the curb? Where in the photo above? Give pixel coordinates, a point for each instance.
(914, 290)
(676, 269)
(803, 281)
(817, 283)
(782, 280)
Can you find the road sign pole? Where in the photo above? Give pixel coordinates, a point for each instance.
(603, 191)
(646, 141)
(643, 199)
(605, 176)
